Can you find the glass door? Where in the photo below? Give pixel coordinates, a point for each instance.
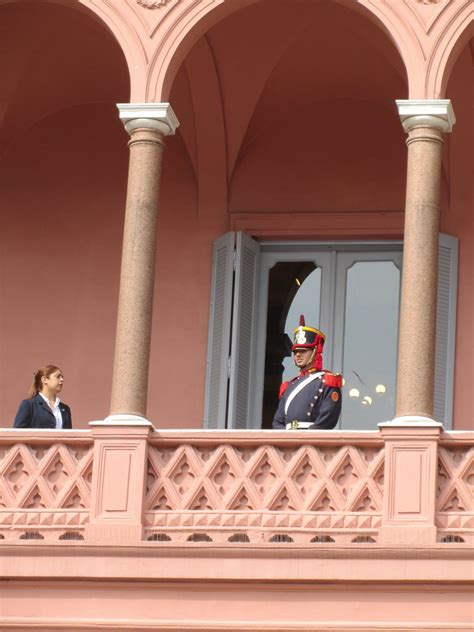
(366, 335)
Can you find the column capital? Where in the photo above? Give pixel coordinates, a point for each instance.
(158, 116)
(437, 113)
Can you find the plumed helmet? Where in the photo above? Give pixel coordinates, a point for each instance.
(309, 338)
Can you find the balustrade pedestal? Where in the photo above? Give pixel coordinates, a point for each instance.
(410, 474)
(118, 481)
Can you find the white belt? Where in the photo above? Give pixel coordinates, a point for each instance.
(299, 425)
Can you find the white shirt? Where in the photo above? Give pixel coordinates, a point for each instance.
(56, 411)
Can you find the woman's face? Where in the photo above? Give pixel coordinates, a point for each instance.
(54, 382)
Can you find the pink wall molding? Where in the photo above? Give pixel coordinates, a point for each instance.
(319, 225)
(284, 588)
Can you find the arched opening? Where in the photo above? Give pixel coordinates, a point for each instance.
(322, 134)
(282, 113)
(63, 173)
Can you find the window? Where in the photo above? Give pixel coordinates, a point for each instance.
(348, 290)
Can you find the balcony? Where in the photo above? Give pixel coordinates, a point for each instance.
(232, 486)
(234, 514)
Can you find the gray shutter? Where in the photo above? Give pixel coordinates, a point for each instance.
(445, 329)
(243, 331)
(220, 316)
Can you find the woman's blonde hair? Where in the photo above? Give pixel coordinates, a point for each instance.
(44, 371)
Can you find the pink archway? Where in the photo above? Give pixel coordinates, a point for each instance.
(193, 23)
(62, 73)
(181, 37)
(111, 17)
(448, 47)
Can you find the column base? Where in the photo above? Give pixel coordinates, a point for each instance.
(122, 420)
(411, 421)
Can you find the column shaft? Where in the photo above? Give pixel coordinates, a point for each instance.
(416, 353)
(134, 320)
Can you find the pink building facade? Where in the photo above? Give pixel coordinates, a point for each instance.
(266, 172)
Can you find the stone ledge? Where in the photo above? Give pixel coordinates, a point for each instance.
(444, 563)
(45, 624)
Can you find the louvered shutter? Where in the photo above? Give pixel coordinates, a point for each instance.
(220, 318)
(243, 328)
(445, 329)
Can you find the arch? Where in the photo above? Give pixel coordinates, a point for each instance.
(390, 19)
(177, 41)
(450, 43)
(43, 49)
(114, 17)
(109, 16)
(196, 18)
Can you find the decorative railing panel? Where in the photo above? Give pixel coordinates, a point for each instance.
(238, 493)
(231, 486)
(455, 491)
(45, 486)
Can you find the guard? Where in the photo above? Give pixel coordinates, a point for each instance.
(312, 400)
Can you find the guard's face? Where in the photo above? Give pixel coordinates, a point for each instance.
(302, 357)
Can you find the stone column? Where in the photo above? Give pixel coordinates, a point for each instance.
(147, 125)
(425, 122)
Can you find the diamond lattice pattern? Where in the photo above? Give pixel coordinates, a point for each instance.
(37, 481)
(455, 492)
(266, 478)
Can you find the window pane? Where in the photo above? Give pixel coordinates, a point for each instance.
(294, 288)
(370, 344)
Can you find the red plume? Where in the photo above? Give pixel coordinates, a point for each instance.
(302, 323)
(319, 353)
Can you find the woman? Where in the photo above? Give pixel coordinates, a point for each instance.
(43, 408)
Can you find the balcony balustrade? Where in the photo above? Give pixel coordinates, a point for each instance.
(410, 486)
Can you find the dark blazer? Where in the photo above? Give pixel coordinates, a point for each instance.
(35, 413)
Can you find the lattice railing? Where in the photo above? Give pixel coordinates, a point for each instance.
(45, 486)
(229, 486)
(263, 493)
(455, 492)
